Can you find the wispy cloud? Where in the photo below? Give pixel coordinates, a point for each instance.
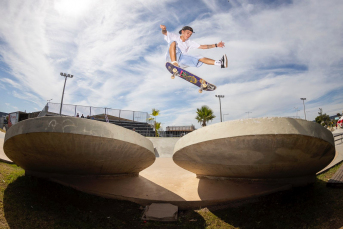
(278, 52)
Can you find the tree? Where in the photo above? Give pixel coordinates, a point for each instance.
(323, 119)
(157, 127)
(204, 115)
(320, 111)
(155, 113)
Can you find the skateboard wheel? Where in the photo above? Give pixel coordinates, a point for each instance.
(172, 76)
(174, 70)
(200, 90)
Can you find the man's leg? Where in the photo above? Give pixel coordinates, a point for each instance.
(172, 53)
(222, 62)
(207, 61)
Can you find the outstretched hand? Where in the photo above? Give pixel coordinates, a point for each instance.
(163, 27)
(221, 44)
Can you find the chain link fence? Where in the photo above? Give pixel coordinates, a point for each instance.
(52, 109)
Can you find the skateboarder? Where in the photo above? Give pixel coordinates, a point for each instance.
(179, 45)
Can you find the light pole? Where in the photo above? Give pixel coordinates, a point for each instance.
(303, 99)
(49, 100)
(224, 116)
(220, 104)
(65, 75)
(296, 112)
(248, 113)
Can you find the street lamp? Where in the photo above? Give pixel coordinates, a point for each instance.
(220, 104)
(303, 99)
(224, 116)
(65, 75)
(248, 113)
(296, 112)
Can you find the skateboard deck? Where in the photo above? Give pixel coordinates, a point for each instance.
(186, 75)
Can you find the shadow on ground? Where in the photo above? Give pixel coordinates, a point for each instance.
(313, 206)
(31, 202)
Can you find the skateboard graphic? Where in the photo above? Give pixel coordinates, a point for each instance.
(177, 71)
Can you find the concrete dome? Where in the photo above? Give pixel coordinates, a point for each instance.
(77, 146)
(261, 148)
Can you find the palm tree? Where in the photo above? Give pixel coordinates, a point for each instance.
(155, 113)
(157, 127)
(204, 114)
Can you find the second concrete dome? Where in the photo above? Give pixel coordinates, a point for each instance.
(259, 148)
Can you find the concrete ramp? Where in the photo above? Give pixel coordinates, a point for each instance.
(164, 147)
(3, 156)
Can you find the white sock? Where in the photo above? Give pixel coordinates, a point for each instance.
(218, 63)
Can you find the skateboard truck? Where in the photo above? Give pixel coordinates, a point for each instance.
(174, 73)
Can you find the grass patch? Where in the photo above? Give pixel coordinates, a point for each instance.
(29, 202)
(2, 130)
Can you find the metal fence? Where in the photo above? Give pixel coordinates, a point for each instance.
(338, 136)
(96, 112)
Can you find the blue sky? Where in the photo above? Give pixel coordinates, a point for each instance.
(278, 51)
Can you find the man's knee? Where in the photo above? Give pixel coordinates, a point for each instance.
(172, 46)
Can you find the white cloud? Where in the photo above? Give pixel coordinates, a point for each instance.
(277, 54)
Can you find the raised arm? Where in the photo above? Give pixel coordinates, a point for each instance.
(220, 45)
(164, 29)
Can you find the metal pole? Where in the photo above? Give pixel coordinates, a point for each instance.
(248, 113)
(303, 99)
(224, 116)
(220, 106)
(304, 109)
(63, 94)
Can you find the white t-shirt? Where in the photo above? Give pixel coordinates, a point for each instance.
(184, 46)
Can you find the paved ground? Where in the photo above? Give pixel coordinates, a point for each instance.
(164, 181)
(3, 156)
(164, 147)
(338, 130)
(339, 152)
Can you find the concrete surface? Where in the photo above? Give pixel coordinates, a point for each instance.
(338, 130)
(77, 146)
(164, 147)
(339, 152)
(160, 212)
(261, 148)
(165, 182)
(3, 156)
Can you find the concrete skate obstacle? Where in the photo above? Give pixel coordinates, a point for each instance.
(280, 149)
(75, 146)
(93, 156)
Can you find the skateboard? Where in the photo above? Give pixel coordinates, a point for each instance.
(197, 81)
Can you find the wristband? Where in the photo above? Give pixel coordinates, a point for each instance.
(216, 45)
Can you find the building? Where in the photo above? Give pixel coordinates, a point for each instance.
(178, 131)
